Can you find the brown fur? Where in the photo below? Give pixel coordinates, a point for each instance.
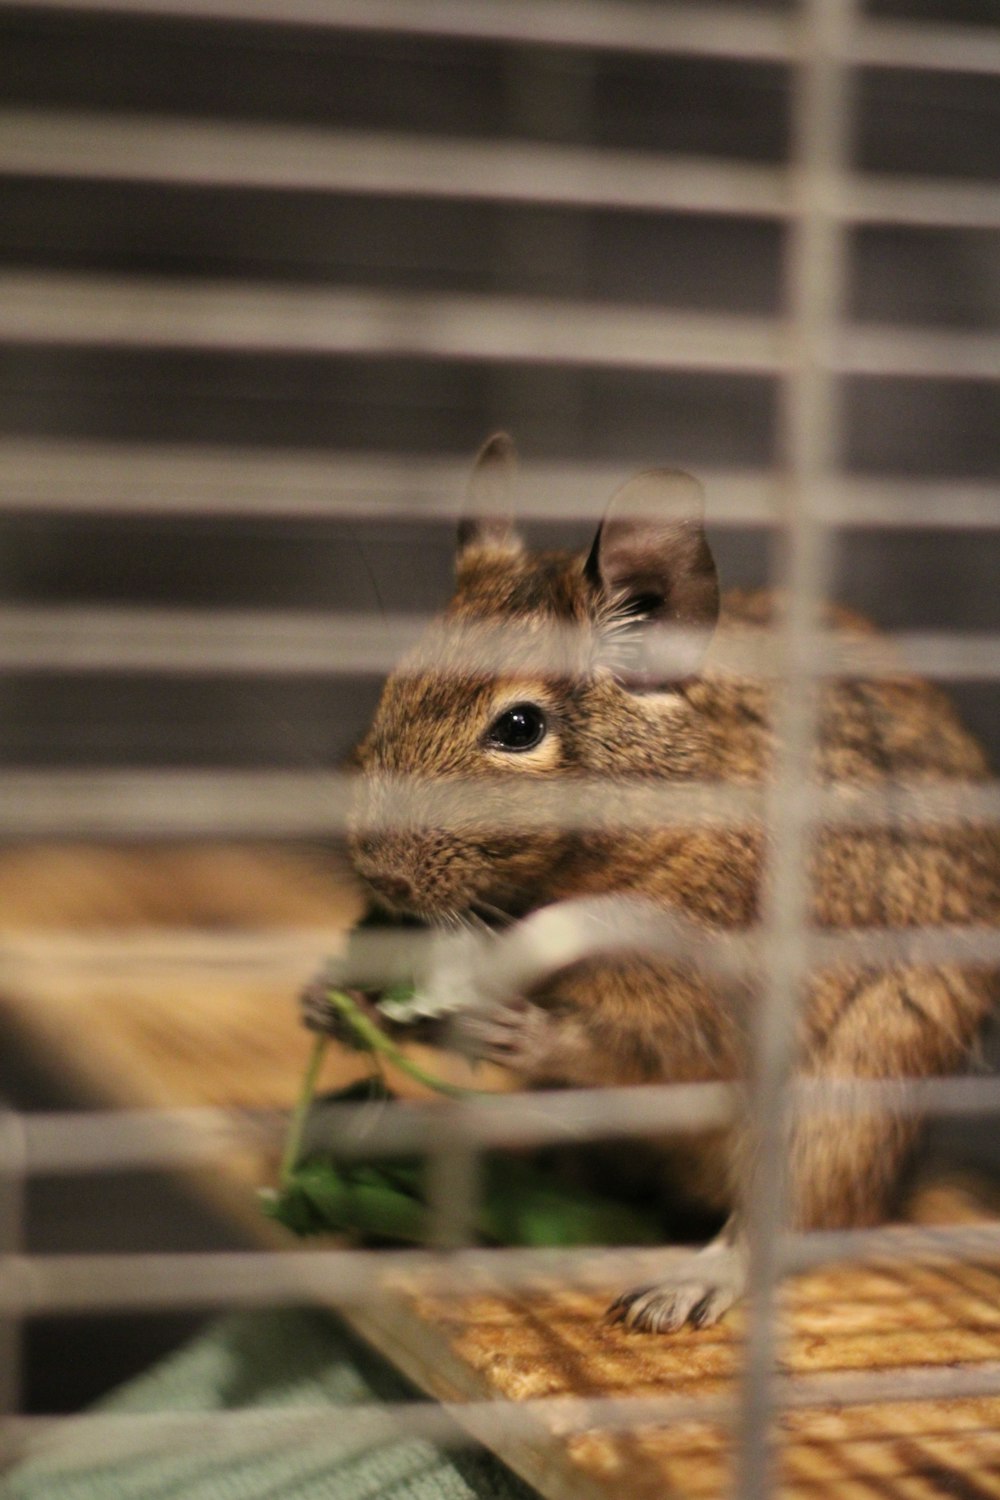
(635, 1019)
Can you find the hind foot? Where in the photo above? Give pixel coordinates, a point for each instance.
(700, 1297)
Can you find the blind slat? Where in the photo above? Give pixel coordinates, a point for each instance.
(94, 478)
(126, 312)
(722, 30)
(183, 152)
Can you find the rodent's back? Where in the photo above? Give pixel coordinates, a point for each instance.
(874, 733)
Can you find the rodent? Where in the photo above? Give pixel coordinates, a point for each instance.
(637, 1018)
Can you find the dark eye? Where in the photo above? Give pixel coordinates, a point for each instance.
(519, 728)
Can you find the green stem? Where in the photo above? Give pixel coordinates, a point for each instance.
(374, 1040)
(297, 1124)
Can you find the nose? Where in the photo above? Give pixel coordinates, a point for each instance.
(396, 887)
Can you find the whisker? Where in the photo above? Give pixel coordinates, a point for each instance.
(493, 914)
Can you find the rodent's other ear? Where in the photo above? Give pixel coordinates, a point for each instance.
(488, 519)
(653, 565)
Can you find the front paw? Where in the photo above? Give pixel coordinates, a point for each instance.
(318, 1014)
(516, 1035)
(699, 1299)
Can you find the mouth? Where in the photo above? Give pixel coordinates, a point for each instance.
(395, 909)
(391, 908)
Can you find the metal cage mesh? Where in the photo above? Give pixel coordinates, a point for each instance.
(474, 250)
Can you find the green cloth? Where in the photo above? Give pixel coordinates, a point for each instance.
(259, 1361)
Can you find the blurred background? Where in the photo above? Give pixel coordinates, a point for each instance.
(446, 170)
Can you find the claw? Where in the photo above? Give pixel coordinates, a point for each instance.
(618, 1311)
(698, 1300)
(666, 1309)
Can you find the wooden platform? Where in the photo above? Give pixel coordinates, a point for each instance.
(850, 1319)
(221, 1039)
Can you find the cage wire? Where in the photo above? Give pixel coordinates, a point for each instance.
(66, 302)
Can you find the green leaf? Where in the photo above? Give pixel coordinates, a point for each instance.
(525, 1204)
(521, 1204)
(293, 1208)
(321, 1198)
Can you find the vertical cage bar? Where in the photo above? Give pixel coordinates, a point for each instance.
(810, 441)
(454, 1180)
(13, 1170)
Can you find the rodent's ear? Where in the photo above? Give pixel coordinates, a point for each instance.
(488, 519)
(653, 567)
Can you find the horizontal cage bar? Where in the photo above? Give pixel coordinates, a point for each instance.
(121, 479)
(66, 1144)
(295, 803)
(60, 1283)
(68, 638)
